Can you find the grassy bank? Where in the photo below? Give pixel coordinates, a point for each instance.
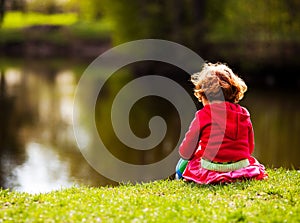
(56, 28)
(274, 200)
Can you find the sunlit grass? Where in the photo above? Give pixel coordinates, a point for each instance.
(274, 200)
(13, 20)
(13, 29)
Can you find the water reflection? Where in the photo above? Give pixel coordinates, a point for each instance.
(11, 118)
(42, 171)
(49, 120)
(38, 151)
(276, 121)
(37, 145)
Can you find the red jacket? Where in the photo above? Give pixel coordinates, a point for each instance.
(220, 132)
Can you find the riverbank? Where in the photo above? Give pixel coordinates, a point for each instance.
(274, 200)
(44, 41)
(37, 35)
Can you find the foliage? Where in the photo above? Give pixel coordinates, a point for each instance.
(180, 21)
(87, 10)
(191, 22)
(243, 20)
(274, 200)
(45, 6)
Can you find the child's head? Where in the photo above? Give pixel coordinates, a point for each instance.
(214, 77)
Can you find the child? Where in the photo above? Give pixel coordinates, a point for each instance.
(219, 143)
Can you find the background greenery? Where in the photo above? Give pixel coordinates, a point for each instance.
(187, 21)
(242, 33)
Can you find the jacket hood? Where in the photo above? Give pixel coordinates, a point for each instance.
(229, 117)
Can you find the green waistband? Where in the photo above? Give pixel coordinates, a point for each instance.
(224, 167)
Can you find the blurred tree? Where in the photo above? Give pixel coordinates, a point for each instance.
(45, 6)
(193, 22)
(2, 10)
(182, 21)
(18, 5)
(87, 10)
(249, 21)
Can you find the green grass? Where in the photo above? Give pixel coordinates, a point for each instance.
(14, 28)
(274, 200)
(15, 19)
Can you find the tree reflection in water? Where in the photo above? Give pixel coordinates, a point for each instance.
(37, 145)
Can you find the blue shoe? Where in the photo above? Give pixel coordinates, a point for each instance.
(180, 168)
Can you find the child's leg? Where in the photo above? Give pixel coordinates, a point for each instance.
(180, 167)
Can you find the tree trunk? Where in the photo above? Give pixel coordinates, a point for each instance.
(2, 10)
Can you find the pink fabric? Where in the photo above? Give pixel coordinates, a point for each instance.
(194, 172)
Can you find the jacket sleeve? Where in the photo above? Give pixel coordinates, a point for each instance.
(251, 139)
(191, 139)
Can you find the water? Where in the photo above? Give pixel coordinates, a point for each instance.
(38, 150)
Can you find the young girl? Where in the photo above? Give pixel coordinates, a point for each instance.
(219, 143)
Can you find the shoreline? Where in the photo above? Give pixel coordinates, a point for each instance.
(262, 62)
(41, 49)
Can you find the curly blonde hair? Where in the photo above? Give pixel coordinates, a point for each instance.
(217, 82)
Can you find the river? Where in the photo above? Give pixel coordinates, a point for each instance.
(38, 150)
